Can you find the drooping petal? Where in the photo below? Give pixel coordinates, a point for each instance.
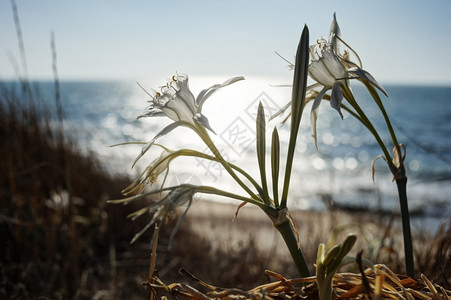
(155, 168)
(310, 88)
(201, 119)
(280, 111)
(367, 76)
(189, 198)
(314, 113)
(153, 112)
(206, 93)
(180, 195)
(336, 98)
(163, 132)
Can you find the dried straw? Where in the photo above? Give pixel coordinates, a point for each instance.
(377, 283)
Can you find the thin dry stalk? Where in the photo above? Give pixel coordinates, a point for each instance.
(382, 283)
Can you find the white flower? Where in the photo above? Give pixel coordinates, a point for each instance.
(177, 102)
(164, 209)
(332, 70)
(151, 173)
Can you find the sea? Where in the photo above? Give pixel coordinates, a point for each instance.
(101, 117)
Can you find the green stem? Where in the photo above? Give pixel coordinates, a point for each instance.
(325, 288)
(215, 191)
(186, 152)
(207, 140)
(287, 232)
(364, 119)
(401, 183)
(370, 127)
(379, 103)
(400, 174)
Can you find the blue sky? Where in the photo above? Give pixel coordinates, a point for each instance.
(398, 41)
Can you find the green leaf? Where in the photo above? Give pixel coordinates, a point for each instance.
(297, 105)
(331, 254)
(261, 150)
(275, 165)
(344, 250)
(348, 243)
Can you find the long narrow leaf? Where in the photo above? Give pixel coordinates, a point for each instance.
(297, 105)
(163, 132)
(275, 165)
(380, 104)
(261, 149)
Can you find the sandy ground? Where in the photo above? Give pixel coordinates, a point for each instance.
(214, 221)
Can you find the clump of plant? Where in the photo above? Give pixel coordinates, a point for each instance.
(331, 70)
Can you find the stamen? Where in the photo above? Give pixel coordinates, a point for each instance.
(352, 50)
(145, 90)
(174, 85)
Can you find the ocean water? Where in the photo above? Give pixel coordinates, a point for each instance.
(100, 114)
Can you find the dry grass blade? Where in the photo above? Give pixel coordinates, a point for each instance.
(430, 287)
(365, 283)
(445, 293)
(382, 284)
(190, 276)
(378, 286)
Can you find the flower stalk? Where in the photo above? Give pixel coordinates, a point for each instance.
(207, 140)
(401, 183)
(332, 71)
(175, 101)
(285, 228)
(398, 171)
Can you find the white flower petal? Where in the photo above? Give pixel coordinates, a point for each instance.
(327, 69)
(310, 88)
(367, 76)
(201, 119)
(153, 112)
(179, 110)
(206, 93)
(280, 111)
(314, 113)
(164, 131)
(183, 92)
(336, 98)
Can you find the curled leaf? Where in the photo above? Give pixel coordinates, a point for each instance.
(238, 210)
(372, 165)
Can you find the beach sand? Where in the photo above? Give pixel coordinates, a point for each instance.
(214, 221)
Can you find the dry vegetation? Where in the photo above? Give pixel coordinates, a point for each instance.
(59, 237)
(60, 240)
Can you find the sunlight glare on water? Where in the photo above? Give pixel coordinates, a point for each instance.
(101, 114)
